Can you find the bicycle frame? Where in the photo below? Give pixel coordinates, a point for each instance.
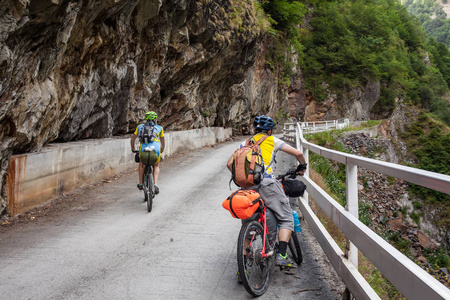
(148, 171)
(262, 219)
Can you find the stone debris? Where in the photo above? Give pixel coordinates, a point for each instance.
(387, 197)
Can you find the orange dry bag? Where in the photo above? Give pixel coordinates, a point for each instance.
(242, 204)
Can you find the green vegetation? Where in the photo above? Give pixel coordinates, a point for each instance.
(326, 139)
(432, 17)
(364, 213)
(344, 44)
(370, 123)
(353, 41)
(439, 258)
(382, 286)
(415, 216)
(285, 17)
(431, 143)
(332, 172)
(400, 243)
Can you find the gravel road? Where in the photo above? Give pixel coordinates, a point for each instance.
(99, 242)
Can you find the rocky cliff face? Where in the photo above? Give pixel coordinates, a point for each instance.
(354, 104)
(90, 69)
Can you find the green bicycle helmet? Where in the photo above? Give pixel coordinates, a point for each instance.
(151, 115)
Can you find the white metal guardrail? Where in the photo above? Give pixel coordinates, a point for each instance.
(318, 126)
(411, 280)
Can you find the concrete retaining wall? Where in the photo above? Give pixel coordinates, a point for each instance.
(35, 178)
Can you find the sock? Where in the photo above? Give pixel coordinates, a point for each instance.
(282, 246)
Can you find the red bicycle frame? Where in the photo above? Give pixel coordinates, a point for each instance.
(262, 219)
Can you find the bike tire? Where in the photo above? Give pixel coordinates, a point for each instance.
(150, 191)
(145, 184)
(253, 269)
(294, 247)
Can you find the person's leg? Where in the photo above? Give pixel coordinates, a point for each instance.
(155, 177)
(284, 235)
(141, 175)
(274, 198)
(156, 173)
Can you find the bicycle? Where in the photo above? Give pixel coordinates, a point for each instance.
(254, 252)
(148, 186)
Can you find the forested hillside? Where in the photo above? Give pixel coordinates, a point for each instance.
(434, 17)
(344, 44)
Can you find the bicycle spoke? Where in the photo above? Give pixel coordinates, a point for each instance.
(253, 267)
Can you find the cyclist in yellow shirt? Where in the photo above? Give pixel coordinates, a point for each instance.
(271, 190)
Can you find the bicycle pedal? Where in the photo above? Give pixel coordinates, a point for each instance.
(285, 268)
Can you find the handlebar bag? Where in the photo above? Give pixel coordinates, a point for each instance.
(242, 204)
(293, 187)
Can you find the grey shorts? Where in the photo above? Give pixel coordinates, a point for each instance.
(273, 195)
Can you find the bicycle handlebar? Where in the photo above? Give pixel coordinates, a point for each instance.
(293, 173)
(290, 174)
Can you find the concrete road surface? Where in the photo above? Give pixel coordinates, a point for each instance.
(101, 243)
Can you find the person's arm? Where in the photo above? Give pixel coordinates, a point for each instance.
(163, 144)
(133, 139)
(296, 153)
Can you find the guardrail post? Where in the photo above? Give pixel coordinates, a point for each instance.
(299, 137)
(352, 206)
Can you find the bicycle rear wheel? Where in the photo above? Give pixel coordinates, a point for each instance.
(148, 188)
(294, 247)
(253, 268)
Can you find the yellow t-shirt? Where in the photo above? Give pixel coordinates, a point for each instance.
(269, 148)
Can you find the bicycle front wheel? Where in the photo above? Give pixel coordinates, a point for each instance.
(253, 267)
(150, 191)
(294, 247)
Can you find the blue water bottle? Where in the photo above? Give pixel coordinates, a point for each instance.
(297, 227)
